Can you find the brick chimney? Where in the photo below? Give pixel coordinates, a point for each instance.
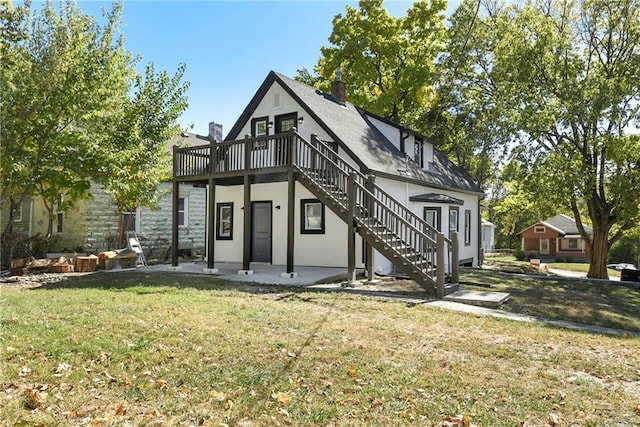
(339, 88)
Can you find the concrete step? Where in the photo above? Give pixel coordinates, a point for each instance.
(480, 298)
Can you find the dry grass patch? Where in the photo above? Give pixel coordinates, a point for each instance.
(179, 350)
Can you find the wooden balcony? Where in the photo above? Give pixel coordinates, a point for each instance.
(255, 155)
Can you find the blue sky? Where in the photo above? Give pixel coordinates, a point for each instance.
(229, 47)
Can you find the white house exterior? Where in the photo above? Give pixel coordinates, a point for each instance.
(302, 223)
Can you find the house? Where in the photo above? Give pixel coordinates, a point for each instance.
(556, 237)
(90, 226)
(305, 178)
(488, 235)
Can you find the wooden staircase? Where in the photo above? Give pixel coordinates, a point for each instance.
(411, 244)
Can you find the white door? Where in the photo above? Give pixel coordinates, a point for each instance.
(544, 246)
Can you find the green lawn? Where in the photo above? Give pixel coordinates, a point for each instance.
(163, 349)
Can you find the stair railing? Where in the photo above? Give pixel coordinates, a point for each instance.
(375, 207)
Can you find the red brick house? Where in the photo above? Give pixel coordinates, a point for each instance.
(556, 237)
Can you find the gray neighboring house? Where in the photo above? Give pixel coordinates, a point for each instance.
(153, 226)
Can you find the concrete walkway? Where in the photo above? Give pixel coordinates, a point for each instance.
(334, 280)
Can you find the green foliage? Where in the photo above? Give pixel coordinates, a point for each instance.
(75, 110)
(388, 63)
(143, 127)
(627, 249)
(561, 77)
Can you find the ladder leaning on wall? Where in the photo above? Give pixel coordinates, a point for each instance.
(134, 244)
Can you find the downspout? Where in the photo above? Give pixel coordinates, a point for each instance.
(479, 244)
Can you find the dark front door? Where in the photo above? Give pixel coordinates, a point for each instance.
(284, 123)
(261, 232)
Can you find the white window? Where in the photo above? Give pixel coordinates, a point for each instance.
(570, 244)
(183, 208)
(453, 220)
(17, 212)
(539, 229)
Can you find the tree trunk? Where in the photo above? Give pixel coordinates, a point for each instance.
(599, 253)
(120, 233)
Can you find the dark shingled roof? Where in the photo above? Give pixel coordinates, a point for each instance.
(349, 126)
(563, 224)
(437, 198)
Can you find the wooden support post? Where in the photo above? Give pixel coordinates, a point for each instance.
(174, 225)
(212, 225)
(293, 145)
(314, 144)
(455, 257)
(368, 248)
(351, 234)
(213, 158)
(291, 210)
(247, 152)
(440, 252)
(246, 246)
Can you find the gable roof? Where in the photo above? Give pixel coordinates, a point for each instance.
(563, 224)
(351, 128)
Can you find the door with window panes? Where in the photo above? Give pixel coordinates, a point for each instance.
(283, 123)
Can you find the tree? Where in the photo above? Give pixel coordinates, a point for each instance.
(388, 63)
(140, 133)
(60, 73)
(564, 78)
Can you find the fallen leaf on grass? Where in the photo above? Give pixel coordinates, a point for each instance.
(121, 409)
(283, 398)
(554, 420)
(34, 397)
(351, 372)
(637, 409)
(456, 421)
(216, 395)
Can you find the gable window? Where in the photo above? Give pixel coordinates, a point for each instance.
(539, 229)
(467, 227)
(453, 220)
(129, 220)
(312, 216)
(286, 122)
(224, 224)
(418, 150)
(432, 217)
(259, 127)
(182, 211)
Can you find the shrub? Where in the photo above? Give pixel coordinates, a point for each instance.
(569, 259)
(559, 259)
(519, 254)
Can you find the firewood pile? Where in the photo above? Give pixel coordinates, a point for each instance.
(30, 265)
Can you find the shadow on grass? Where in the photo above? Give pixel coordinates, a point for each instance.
(603, 304)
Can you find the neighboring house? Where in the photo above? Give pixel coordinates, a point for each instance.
(488, 235)
(306, 178)
(91, 225)
(555, 237)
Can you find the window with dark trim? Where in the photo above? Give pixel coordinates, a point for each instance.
(182, 211)
(129, 220)
(224, 223)
(454, 219)
(432, 217)
(259, 127)
(418, 149)
(17, 212)
(59, 214)
(311, 216)
(286, 122)
(467, 227)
